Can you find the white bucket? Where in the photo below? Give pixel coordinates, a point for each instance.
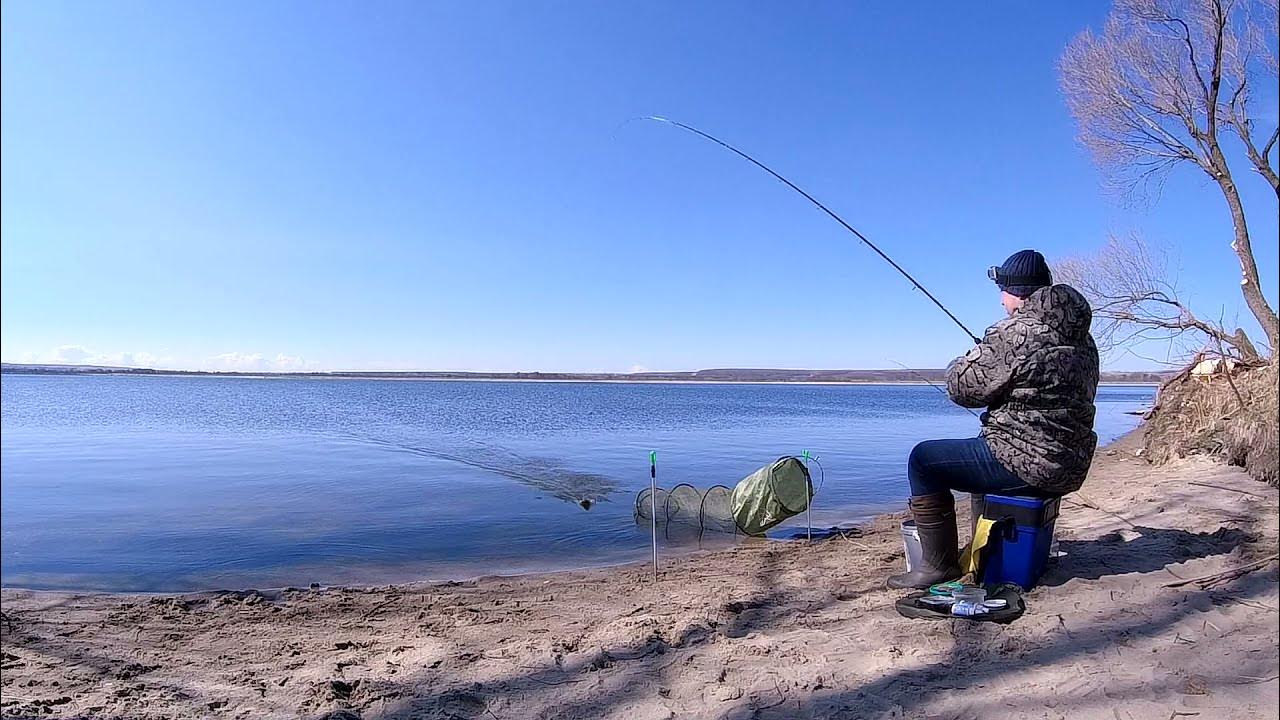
(911, 545)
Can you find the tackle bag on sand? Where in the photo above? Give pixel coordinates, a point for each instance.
(912, 607)
(771, 494)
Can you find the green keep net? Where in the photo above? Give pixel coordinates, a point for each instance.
(771, 494)
(757, 503)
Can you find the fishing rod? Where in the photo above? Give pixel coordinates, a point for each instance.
(933, 385)
(821, 207)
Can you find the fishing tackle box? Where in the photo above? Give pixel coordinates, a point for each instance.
(1018, 551)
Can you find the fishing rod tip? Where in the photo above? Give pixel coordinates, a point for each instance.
(638, 118)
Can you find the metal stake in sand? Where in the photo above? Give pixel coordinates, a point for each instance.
(808, 506)
(653, 506)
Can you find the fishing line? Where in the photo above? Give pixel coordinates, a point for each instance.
(939, 388)
(821, 207)
(582, 489)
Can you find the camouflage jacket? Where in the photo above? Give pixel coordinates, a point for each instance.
(1036, 372)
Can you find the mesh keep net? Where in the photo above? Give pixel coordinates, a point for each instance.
(758, 502)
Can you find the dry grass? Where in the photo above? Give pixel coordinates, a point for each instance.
(1233, 417)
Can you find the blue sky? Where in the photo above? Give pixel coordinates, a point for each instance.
(446, 185)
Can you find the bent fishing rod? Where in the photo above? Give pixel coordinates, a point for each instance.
(821, 207)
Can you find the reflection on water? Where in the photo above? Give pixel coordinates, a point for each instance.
(171, 483)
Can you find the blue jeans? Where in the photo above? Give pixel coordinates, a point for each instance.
(964, 465)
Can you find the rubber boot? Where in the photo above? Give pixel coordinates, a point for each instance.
(935, 517)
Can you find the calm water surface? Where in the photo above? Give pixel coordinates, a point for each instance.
(168, 483)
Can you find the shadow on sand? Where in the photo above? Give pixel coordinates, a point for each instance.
(1153, 549)
(975, 658)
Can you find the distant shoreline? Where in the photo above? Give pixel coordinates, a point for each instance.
(745, 376)
(283, 376)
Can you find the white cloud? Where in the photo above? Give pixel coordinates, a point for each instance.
(236, 362)
(136, 359)
(638, 369)
(291, 363)
(232, 361)
(72, 355)
(80, 355)
(257, 362)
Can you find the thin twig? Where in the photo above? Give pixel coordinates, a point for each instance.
(379, 606)
(553, 682)
(1251, 680)
(782, 697)
(1224, 487)
(1226, 574)
(1082, 500)
(1226, 363)
(853, 543)
(1258, 605)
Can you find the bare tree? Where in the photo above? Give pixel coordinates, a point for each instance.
(1158, 87)
(1136, 299)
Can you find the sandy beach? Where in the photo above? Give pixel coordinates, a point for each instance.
(1137, 621)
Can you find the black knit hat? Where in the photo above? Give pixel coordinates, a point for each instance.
(1022, 274)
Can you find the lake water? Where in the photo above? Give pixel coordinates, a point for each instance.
(175, 484)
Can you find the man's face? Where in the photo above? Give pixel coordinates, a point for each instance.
(1010, 302)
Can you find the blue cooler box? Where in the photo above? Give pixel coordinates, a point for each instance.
(1019, 552)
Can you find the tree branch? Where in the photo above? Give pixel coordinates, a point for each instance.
(1144, 103)
(1135, 301)
(1215, 77)
(1266, 151)
(1260, 160)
